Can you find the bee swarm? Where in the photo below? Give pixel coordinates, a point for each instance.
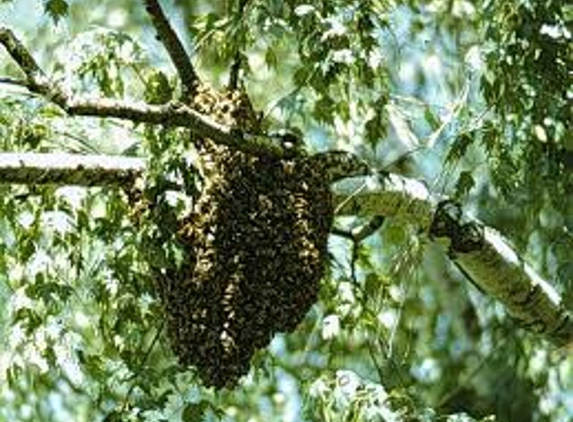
(257, 244)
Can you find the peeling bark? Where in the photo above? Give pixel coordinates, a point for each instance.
(486, 257)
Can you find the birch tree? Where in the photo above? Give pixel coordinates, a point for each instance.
(441, 131)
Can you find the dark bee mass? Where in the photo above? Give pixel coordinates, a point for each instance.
(257, 242)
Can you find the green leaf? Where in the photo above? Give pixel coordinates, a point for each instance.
(56, 9)
(432, 118)
(93, 365)
(325, 109)
(459, 147)
(271, 58)
(194, 412)
(465, 183)
(157, 88)
(377, 126)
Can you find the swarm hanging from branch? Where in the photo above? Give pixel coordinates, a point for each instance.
(257, 238)
(257, 243)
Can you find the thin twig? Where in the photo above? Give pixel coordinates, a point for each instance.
(168, 37)
(238, 58)
(235, 71)
(362, 232)
(12, 81)
(144, 359)
(363, 300)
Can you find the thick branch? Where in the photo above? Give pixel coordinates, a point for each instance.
(166, 34)
(93, 170)
(489, 261)
(68, 169)
(482, 253)
(389, 195)
(532, 301)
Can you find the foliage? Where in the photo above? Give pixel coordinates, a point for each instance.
(471, 97)
(528, 85)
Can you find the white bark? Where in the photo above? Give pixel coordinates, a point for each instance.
(532, 301)
(391, 196)
(68, 169)
(493, 265)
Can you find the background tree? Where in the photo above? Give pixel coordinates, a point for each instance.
(468, 97)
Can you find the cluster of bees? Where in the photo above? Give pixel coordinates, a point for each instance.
(257, 246)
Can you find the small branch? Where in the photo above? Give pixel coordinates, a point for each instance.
(238, 58)
(169, 115)
(361, 232)
(167, 35)
(68, 169)
(340, 165)
(235, 71)
(12, 81)
(19, 53)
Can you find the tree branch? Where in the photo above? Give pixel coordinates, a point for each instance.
(82, 170)
(181, 60)
(388, 195)
(486, 257)
(68, 169)
(482, 253)
(238, 57)
(171, 114)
